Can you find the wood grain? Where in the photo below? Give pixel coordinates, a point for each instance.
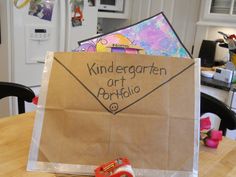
(220, 162)
(15, 137)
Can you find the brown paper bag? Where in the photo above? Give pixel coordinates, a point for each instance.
(96, 107)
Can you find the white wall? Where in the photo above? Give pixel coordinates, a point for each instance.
(4, 54)
(211, 33)
(183, 15)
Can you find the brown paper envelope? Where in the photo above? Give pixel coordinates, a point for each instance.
(101, 106)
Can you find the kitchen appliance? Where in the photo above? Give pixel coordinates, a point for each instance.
(111, 5)
(207, 53)
(224, 75)
(32, 36)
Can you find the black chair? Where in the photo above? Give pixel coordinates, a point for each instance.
(213, 105)
(23, 93)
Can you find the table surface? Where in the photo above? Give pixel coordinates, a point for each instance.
(15, 137)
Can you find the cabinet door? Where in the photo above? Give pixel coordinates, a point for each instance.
(219, 11)
(234, 8)
(220, 6)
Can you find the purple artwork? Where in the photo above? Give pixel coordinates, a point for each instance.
(42, 9)
(154, 35)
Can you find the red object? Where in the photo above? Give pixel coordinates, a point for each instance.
(232, 36)
(211, 143)
(216, 135)
(35, 100)
(109, 169)
(78, 11)
(211, 138)
(205, 123)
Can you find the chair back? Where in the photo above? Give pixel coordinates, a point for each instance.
(213, 105)
(23, 93)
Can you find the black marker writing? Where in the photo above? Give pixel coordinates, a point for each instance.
(133, 70)
(118, 94)
(116, 82)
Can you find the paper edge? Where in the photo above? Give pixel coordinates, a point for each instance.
(197, 68)
(88, 170)
(34, 165)
(38, 123)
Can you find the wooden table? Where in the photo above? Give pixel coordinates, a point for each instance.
(15, 137)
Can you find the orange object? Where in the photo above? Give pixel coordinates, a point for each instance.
(116, 168)
(78, 11)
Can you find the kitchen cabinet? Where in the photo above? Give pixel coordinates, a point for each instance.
(218, 13)
(117, 15)
(215, 15)
(109, 21)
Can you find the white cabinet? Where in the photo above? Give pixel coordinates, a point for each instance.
(117, 15)
(218, 13)
(110, 21)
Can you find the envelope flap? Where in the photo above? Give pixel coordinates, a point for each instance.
(118, 81)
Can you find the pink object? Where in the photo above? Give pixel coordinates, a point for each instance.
(210, 137)
(131, 51)
(205, 123)
(215, 135)
(211, 143)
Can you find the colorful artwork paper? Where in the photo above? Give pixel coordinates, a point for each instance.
(42, 9)
(154, 35)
